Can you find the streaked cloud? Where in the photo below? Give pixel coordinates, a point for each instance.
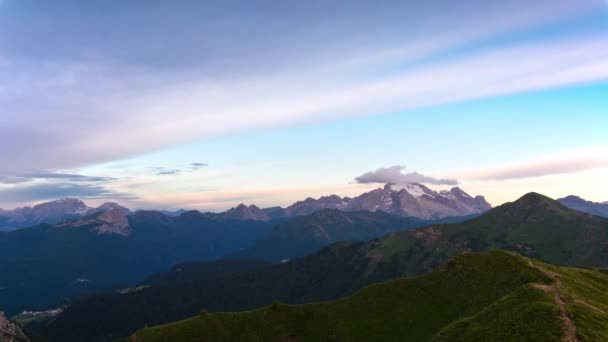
(213, 79)
(15, 178)
(198, 166)
(566, 162)
(395, 175)
(163, 171)
(50, 191)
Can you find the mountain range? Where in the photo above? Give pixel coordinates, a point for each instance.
(51, 213)
(534, 226)
(409, 200)
(43, 264)
(412, 200)
(577, 203)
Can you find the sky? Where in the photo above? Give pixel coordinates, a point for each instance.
(208, 104)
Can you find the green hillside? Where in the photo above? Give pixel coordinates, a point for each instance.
(492, 296)
(305, 235)
(534, 226)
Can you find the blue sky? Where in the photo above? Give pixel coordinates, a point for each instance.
(271, 102)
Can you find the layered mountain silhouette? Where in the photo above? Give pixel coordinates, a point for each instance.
(45, 263)
(51, 213)
(411, 200)
(577, 203)
(305, 235)
(534, 226)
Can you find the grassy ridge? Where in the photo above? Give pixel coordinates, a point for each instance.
(473, 297)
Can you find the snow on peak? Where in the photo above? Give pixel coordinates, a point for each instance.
(416, 190)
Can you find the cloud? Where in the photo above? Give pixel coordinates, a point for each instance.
(198, 166)
(51, 191)
(565, 162)
(394, 175)
(221, 68)
(168, 172)
(163, 171)
(45, 175)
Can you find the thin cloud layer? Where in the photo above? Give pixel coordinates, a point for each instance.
(212, 69)
(395, 175)
(567, 162)
(24, 177)
(52, 191)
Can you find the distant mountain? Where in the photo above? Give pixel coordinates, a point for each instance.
(534, 226)
(494, 296)
(243, 212)
(577, 203)
(51, 213)
(43, 264)
(304, 235)
(412, 200)
(173, 213)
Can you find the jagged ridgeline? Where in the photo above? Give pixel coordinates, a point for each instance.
(534, 226)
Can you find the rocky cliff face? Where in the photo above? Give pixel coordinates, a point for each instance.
(414, 200)
(11, 332)
(114, 221)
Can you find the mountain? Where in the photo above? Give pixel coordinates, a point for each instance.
(42, 265)
(243, 212)
(173, 213)
(577, 203)
(493, 296)
(534, 225)
(305, 235)
(412, 200)
(51, 213)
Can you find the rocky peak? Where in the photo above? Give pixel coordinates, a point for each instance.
(413, 199)
(243, 212)
(113, 221)
(109, 206)
(65, 206)
(11, 332)
(53, 212)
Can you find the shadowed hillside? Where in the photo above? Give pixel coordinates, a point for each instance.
(493, 296)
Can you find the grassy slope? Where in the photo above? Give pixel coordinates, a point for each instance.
(474, 297)
(535, 226)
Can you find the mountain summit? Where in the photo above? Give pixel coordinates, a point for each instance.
(244, 213)
(413, 200)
